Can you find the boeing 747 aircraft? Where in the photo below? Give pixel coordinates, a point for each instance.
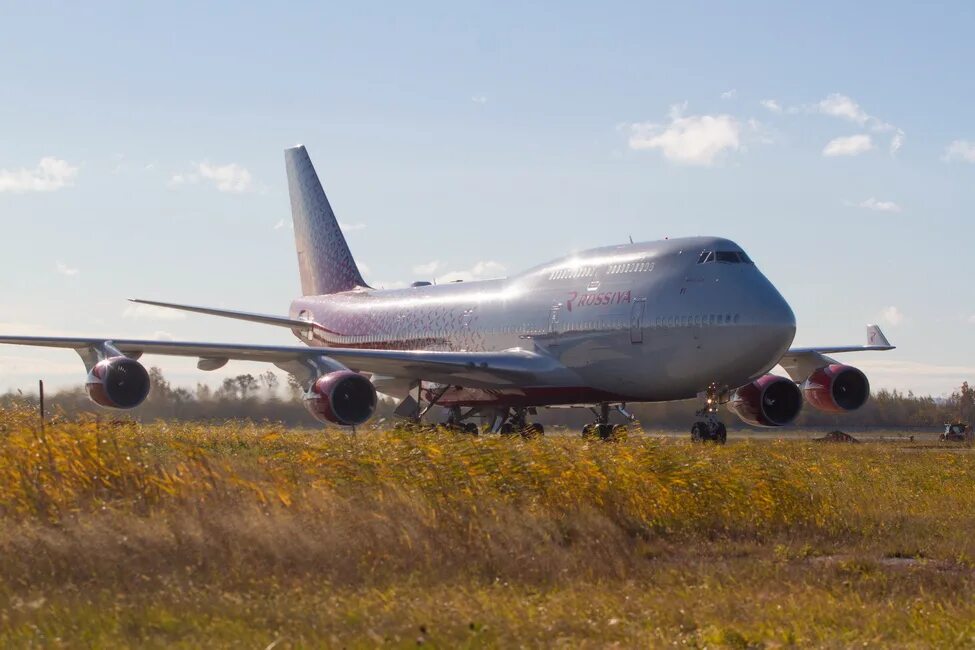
(646, 322)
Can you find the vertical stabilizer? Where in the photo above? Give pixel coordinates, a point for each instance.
(324, 260)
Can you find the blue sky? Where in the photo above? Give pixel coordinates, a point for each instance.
(141, 155)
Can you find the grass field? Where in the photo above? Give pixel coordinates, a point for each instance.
(244, 535)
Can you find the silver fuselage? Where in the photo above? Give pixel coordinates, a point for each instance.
(637, 322)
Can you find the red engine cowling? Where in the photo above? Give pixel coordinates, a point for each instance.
(118, 383)
(341, 397)
(837, 388)
(769, 401)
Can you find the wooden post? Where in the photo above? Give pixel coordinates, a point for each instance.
(40, 390)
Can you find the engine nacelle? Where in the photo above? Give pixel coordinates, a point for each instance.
(837, 388)
(341, 397)
(118, 383)
(769, 401)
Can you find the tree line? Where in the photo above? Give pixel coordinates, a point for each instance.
(268, 397)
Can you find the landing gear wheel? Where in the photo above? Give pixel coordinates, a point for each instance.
(620, 433)
(720, 434)
(471, 429)
(533, 430)
(589, 431)
(699, 432)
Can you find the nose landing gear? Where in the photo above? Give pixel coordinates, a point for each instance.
(709, 428)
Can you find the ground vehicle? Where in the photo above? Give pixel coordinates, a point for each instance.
(957, 432)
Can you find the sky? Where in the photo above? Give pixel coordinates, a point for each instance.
(141, 156)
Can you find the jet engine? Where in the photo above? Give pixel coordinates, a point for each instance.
(341, 397)
(769, 401)
(118, 383)
(837, 388)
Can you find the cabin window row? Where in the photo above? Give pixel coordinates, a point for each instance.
(574, 272)
(630, 267)
(695, 320)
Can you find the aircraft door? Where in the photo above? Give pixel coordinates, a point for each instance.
(637, 313)
(553, 321)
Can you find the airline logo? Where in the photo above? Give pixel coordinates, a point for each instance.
(598, 299)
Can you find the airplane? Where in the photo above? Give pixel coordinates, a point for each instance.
(646, 322)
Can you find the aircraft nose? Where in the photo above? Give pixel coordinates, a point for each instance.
(778, 317)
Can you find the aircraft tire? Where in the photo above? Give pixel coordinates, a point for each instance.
(721, 434)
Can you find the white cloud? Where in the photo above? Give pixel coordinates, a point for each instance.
(50, 174)
(66, 270)
(879, 206)
(479, 99)
(136, 311)
(896, 142)
(960, 150)
(892, 315)
(771, 105)
(843, 107)
(351, 227)
(729, 94)
(283, 223)
(427, 269)
(690, 140)
(480, 271)
(851, 145)
(227, 178)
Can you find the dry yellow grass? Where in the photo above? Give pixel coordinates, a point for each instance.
(164, 534)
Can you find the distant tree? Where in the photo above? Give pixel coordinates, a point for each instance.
(270, 382)
(963, 401)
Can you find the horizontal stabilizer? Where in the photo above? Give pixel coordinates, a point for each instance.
(265, 319)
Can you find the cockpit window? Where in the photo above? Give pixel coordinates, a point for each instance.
(725, 257)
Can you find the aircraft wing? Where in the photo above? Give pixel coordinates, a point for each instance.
(471, 369)
(802, 362)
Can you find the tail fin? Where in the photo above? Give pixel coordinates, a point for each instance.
(324, 260)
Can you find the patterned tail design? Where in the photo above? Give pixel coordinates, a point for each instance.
(324, 260)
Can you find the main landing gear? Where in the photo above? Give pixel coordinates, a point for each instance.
(709, 428)
(455, 422)
(517, 424)
(602, 429)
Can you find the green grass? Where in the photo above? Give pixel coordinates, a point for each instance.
(241, 534)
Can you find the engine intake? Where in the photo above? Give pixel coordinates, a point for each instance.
(341, 397)
(837, 388)
(769, 401)
(118, 383)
